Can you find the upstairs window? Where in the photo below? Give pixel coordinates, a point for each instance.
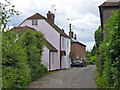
(63, 42)
(53, 57)
(67, 43)
(34, 22)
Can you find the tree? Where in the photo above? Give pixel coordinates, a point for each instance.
(98, 36)
(6, 11)
(109, 54)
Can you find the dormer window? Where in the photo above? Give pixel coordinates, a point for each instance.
(34, 22)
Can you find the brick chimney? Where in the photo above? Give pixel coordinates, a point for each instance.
(63, 30)
(71, 34)
(50, 17)
(75, 37)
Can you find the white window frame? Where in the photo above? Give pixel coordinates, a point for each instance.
(53, 58)
(35, 22)
(67, 43)
(63, 42)
(62, 59)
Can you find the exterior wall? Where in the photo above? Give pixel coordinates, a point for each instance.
(50, 34)
(67, 48)
(45, 57)
(106, 12)
(53, 63)
(78, 51)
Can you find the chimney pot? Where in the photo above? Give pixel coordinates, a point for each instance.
(50, 17)
(75, 37)
(63, 30)
(49, 11)
(71, 34)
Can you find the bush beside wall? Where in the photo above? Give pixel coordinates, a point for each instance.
(108, 55)
(21, 57)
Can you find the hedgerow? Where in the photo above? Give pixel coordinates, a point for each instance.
(108, 55)
(33, 42)
(15, 70)
(21, 58)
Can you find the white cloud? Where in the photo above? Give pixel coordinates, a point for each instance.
(82, 14)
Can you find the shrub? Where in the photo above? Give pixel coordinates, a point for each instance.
(33, 42)
(21, 57)
(15, 69)
(108, 65)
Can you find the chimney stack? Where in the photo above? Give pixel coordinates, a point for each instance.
(71, 34)
(63, 30)
(75, 37)
(50, 17)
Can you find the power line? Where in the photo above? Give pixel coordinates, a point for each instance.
(64, 11)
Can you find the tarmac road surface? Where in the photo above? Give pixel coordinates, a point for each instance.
(76, 77)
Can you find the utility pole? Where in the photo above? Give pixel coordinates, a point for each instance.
(70, 27)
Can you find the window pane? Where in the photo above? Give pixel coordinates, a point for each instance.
(67, 43)
(52, 57)
(63, 42)
(34, 22)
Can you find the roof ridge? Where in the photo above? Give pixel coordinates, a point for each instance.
(39, 16)
(50, 46)
(112, 3)
(112, 0)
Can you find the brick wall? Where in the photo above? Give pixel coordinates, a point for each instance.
(78, 51)
(106, 13)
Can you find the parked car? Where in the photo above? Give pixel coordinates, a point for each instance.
(79, 62)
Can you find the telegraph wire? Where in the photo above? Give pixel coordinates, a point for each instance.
(64, 10)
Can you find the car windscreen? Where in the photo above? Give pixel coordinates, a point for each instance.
(77, 60)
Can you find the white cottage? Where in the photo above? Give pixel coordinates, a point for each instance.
(56, 53)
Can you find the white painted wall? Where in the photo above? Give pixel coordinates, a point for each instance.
(51, 35)
(67, 48)
(45, 57)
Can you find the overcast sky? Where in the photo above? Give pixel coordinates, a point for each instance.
(82, 14)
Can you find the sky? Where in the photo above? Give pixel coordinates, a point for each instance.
(82, 14)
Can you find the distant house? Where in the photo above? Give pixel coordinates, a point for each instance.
(106, 10)
(78, 50)
(56, 53)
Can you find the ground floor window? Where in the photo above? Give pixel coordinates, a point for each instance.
(53, 57)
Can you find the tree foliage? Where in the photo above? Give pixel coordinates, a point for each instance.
(98, 36)
(6, 11)
(21, 58)
(109, 55)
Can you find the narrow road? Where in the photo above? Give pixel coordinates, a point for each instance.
(76, 77)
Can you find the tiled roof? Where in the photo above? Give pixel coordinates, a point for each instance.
(110, 3)
(74, 41)
(50, 47)
(39, 16)
(112, 0)
(24, 28)
(36, 16)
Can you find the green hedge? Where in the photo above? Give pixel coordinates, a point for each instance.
(21, 58)
(108, 55)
